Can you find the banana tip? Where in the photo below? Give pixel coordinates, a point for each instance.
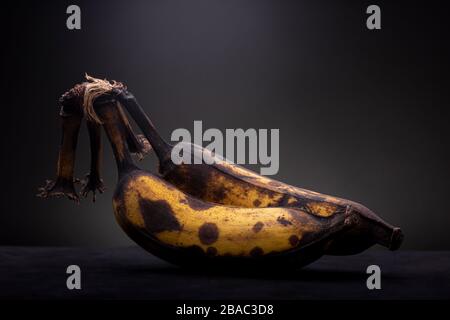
(396, 239)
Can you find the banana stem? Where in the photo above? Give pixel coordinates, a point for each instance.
(93, 181)
(66, 158)
(117, 135)
(161, 147)
(64, 182)
(96, 149)
(134, 144)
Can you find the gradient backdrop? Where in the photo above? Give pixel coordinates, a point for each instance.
(362, 114)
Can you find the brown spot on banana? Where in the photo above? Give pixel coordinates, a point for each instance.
(283, 202)
(283, 221)
(258, 227)
(208, 233)
(158, 216)
(294, 240)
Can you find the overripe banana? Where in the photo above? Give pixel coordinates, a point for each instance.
(226, 183)
(187, 231)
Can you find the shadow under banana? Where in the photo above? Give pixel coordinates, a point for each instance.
(217, 214)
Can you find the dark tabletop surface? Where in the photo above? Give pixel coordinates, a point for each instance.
(132, 273)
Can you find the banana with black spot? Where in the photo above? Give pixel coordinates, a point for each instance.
(190, 232)
(222, 182)
(187, 231)
(229, 184)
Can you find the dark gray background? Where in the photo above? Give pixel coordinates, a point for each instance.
(362, 114)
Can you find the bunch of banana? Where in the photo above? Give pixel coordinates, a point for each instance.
(226, 183)
(216, 213)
